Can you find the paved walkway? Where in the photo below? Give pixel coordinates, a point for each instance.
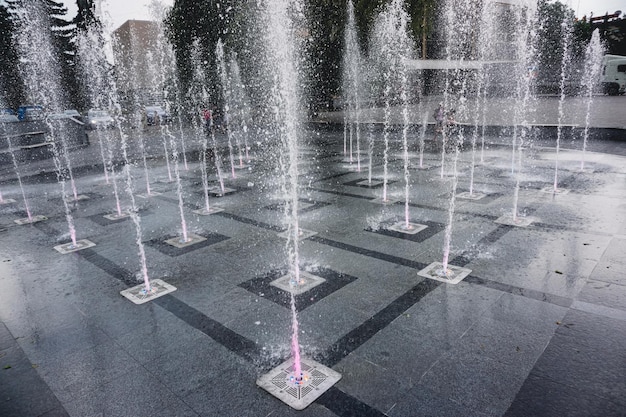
(536, 329)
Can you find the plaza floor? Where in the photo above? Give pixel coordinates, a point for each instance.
(538, 327)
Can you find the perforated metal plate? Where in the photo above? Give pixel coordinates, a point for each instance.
(192, 239)
(289, 284)
(550, 190)
(304, 234)
(386, 202)
(453, 275)
(204, 212)
(240, 166)
(139, 295)
(79, 197)
(216, 190)
(33, 219)
(146, 195)
(473, 196)
(519, 221)
(413, 229)
(115, 216)
(366, 183)
(70, 247)
(282, 384)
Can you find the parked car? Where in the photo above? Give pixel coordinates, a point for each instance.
(30, 112)
(99, 119)
(72, 113)
(8, 118)
(156, 115)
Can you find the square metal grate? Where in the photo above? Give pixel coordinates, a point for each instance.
(192, 239)
(204, 212)
(146, 195)
(413, 229)
(519, 221)
(453, 275)
(70, 247)
(550, 190)
(115, 216)
(299, 393)
(289, 284)
(473, 196)
(33, 219)
(303, 234)
(139, 295)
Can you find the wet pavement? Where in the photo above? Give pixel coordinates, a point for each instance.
(536, 329)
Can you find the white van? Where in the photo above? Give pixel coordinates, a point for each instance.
(614, 75)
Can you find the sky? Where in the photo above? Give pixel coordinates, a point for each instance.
(123, 10)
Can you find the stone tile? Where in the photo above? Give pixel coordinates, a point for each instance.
(421, 401)
(604, 294)
(84, 371)
(135, 393)
(26, 395)
(476, 381)
(540, 396)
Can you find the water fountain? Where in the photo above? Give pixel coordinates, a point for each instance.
(41, 79)
(238, 125)
(227, 93)
(593, 66)
(460, 21)
(566, 39)
(93, 63)
(199, 97)
(351, 86)
(299, 381)
(391, 47)
(525, 51)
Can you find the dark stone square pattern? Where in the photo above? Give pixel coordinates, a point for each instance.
(432, 229)
(356, 182)
(169, 250)
(316, 205)
(261, 286)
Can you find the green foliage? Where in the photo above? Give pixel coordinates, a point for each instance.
(11, 86)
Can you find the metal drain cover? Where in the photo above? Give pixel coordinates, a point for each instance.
(413, 229)
(453, 275)
(33, 219)
(115, 216)
(79, 197)
(519, 222)
(282, 384)
(192, 239)
(217, 190)
(139, 295)
(304, 234)
(386, 202)
(146, 195)
(366, 183)
(473, 196)
(307, 282)
(70, 247)
(550, 190)
(205, 212)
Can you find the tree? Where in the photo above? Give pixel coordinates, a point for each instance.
(555, 23)
(11, 86)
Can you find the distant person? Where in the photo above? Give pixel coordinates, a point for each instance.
(439, 116)
(207, 117)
